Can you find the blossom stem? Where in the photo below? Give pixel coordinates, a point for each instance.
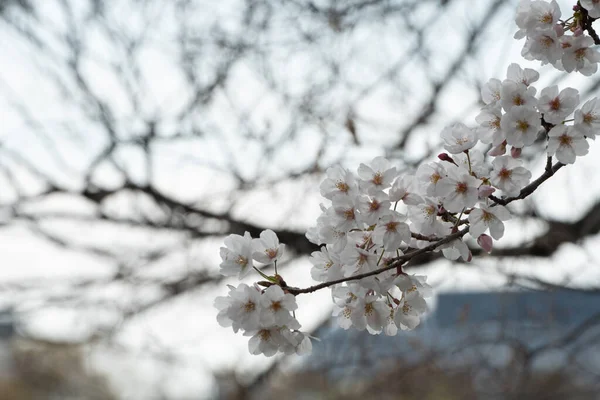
(469, 161)
(267, 277)
(527, 190)
(380, 257)
(397, 262)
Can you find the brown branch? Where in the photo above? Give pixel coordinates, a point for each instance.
(586, 24)
(396, 262)
(529, 189)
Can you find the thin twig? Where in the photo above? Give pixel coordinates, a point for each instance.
(396, 262)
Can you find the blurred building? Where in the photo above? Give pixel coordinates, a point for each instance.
(472, 345)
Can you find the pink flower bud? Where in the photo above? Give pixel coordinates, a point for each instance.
(485, 190)
(559, 29)
(578, 31)
(446, 157)
(498, 150)
(486, 242)
(515, 152)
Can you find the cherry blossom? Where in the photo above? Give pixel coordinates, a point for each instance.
(491, 91)
(484, 218)
(544, 46)
(276, 307)
(526, 76)
(403, 190)
(326, 264)
(458, 138)
(373, 207)
(587, 119)
(237, 255)
(521, 125)
(489, 120)
(592, 7)
(459, 189)
(566, 143)
(579, 54)
(516, 94)
(391, 231)
(429, 176)
(509, 175)
(556, 107)
(536, 16)
(424, 217)
(240, 309)
(376, 176)
(267, 249)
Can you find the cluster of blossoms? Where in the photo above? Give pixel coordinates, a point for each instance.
(548, 39)
(375, 221)
(514, 116)
(267, 315)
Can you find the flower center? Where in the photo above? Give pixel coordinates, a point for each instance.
(565, 140)
(347, 312)
(249, 306)
(547, 41)
(487, 217)
(342, 186)
(242, 261)
(435, 178)
(554, 104)
(495, 123)
(580, 54)
(546, 18)
(505, 173)
(271, 253)
(522, 126)
(275, 306)
(369, 308)
(391, 226)
(588, 118)
(461, 187)
(264, 334)
(518, 100)
(374, 205)
(349, 214)
(378, 179)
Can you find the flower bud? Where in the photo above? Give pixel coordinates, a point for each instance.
(485, 190)
(446, 157)
(515, 152)
(486, 242)
(498, 150)
(559, 29)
